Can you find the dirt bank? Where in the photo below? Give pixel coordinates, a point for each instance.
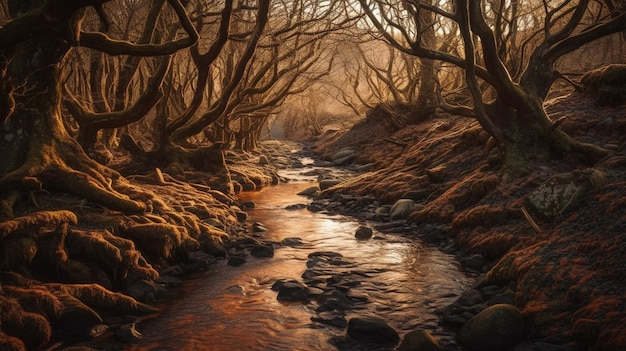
(565, 264)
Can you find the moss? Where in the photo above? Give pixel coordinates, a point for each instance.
(33, 329)
(36, 300)
(161, 240)
(606, 85)
(11, 343)
(31, 222)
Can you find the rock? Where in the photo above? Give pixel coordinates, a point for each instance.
(332, 318)
(241, 216)
(419, 340)
(372, 329)
(363, 233)
(258, 227)
(264, 250)
(417, 195)
(292, 242)
(475, 262)
(247, 205)
(344, 157)
(402, 208)
(470, 297)
(327, 183)
(235, 260)
(290, 290)
(310, 191)
(493, 329)
(555, 195)
(295, 207)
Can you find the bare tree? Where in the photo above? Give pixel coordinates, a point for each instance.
(515, 117)
(39, 152)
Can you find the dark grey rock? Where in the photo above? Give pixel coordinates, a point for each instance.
(363, 233)
(264, 250)
(495, 328)
(419, 340)
(236, 260)
(291, 290)
(372, 330)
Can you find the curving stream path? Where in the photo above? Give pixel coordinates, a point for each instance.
(389, 276)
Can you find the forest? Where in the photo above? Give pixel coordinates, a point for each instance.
(130, 126)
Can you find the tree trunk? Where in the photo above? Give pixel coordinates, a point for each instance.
(38, 151)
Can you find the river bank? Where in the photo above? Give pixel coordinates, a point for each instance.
(552, 240)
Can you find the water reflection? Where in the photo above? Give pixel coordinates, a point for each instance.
(234, 308)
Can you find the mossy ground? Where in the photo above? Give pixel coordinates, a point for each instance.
(68, 265)
(568, 277)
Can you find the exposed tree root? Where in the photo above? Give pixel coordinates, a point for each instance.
(64, 167)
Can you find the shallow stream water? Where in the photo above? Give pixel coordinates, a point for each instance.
(234, 308)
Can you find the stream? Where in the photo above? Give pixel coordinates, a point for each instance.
(392, 277)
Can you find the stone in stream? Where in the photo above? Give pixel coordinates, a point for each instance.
(310, 191)
(372, 330)
(402, 208)
(363, 233)
(258, 227)
(236, 260)
(291, 290)
(332, 318)
(495, 328)
(262, 250)
(292, 241)
(327, 183)
(295, 207)
(419, 340)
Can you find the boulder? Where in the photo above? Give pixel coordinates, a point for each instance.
(372, 330)
(263, 250)
(555, 195)
(419, 340)
(495, 328)
(363, 233)
(310, 191)
(290, 290)
(402, 208)
(344, 157)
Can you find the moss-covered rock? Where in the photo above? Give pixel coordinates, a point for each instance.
(493, 329)
(607, 85)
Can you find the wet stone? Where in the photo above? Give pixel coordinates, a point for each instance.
(235, 260)
(372, 330)
(295, 207)
(493, 329)
(291, 290)
(264, 250)
(419, 340)
(470, 297)
(258, 227)
(332, 318)
(292, 241)
(363, 233)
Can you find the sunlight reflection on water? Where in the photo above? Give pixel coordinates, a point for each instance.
(234, 308)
